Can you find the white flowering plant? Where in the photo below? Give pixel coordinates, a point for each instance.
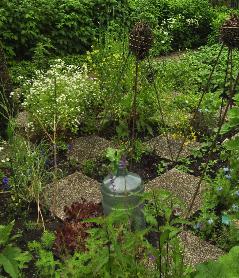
(61, 98)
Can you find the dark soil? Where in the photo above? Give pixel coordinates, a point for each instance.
(146, 168)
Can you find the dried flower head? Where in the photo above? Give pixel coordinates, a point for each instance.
(140, 40)
(230, 32)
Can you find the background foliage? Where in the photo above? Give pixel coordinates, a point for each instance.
(61, 26)
(73, 26)
(177, 24)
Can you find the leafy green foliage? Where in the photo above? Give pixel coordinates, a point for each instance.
(179, 82)
(184, 23)
(114, 156)
(232, 145)
(46, 264)
(220, 210)
(220, 15)
(59, 26)
(113, 249)
(6, 104)
(27, 165)
(12, 259)
(116, 71)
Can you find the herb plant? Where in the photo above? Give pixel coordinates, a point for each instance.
(12, 258)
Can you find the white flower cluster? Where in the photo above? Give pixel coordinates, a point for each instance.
(192, 22)
(62, 94)
(172, 22)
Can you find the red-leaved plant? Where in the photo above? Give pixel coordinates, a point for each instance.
(72, 234)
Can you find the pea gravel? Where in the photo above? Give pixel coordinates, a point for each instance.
(70, 189)
(197, 250)
(182, 185)
(160, 146)
(87, 148)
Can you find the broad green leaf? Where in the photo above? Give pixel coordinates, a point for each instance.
(111, 154)
(9, 265)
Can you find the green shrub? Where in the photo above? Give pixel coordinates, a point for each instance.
(178, 81)
(72, 26)
(62, 26)
(29, 175)
(220, 15)
(186, 21)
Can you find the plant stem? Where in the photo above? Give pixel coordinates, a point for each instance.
(134, 104)
(159, 264)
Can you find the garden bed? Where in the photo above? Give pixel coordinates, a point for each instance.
(118, 109)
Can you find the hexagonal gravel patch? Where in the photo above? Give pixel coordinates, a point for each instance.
(160, 146)
(182, 185)
(197, 250)
(87, 147)
(70, 189)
